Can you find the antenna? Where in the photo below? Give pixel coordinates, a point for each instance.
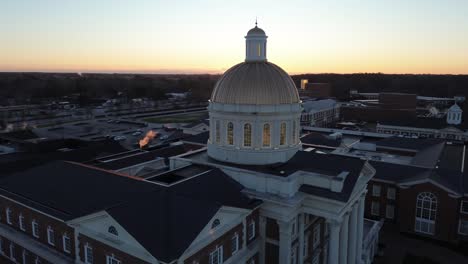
(255, 21)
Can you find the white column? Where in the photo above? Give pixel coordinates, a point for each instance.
(285, 240)
(360, 229)
(352, 239)
(334, 243)
(301, 238)
(344, 239)
(262, 230)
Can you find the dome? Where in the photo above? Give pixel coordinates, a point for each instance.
(257, 83)
(256, 31)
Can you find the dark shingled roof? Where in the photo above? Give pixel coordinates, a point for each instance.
(196, 123)
(149, 212)
(201, 138)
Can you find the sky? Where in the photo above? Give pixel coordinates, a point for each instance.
(207, 36)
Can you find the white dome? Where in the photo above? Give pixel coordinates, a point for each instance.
(255, 83)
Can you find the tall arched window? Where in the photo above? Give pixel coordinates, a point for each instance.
(218, 134)
(247, 135)
(266, 135)
(426, 211)
(294, 132)
(230, 133)
(283, 134)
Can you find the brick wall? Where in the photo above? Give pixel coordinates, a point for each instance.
(383, 201)
(60, 228)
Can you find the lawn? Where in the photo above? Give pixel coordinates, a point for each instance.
(180, 118)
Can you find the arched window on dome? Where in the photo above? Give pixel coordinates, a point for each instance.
(426, 211)
(294, 132)
(217, 131)
(283, 134)
(266, 135)
(230, 133)
(247, 135)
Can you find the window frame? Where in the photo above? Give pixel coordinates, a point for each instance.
(65, 237)
(8, 216)
(390, 197)
(373, 212)
(387, 210)
(376, 190)
(216, 256)
(12, 251)
(251, 230)
(266, 135)
(283, 134)
(50, 238)
(111, 259)
(217, 131)
(230, 133)
(35, 228)
(88, 254)
(461, 207)
(421, 220)
(235, 242)
(21, 224)
(460, 225)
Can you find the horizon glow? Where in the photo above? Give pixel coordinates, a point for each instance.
(207, 36)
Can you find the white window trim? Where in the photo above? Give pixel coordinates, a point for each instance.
(111, 259)
(37, 260)
(219, 251)
(236, 237)
(64, 237)
(21, 222)
(461, 207)
(86, 256)
(8, 216)
(50, 239)
(12, 250)
(459, 228)
(34, 231)
(251, 234)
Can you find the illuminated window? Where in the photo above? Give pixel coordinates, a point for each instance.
(283, 134)
(218, 134)
(259, 50)
(266, 135)
(247, 135)
(230, 133)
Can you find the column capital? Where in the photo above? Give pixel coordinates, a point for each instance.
(284, 226)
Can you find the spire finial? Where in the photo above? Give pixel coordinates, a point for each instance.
(255, 21)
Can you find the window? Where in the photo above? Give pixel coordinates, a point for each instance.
(12, 252)
(464, 207)
(463, 227)
(35, 228)
(426, 209)
(24, 256)
(230, 133)
(234, 243)
(50, 236)
(376, 190)
(113, 230)
(390, 211)
(283, 134)
(8, 216)
(259, 50)
(216, 256)
(215, 223)
(112, 260)
(266, 135)
(218, 134)
(247, 135)
(316, 236)
(21, 222)
(375, 208)
(391, 193)
(66, 243)
(251, 230)
(88, 251)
